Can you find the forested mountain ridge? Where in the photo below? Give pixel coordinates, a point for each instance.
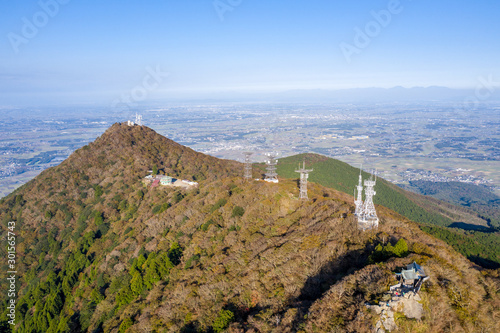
(343, 177)
(98, 251)
(118, 159)
(477, 198)
(469, 232)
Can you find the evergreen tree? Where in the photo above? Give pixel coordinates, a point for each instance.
(175, 253)
(163, 265)
(124, 296)
(223, 320)
(98, 191)
(151, 276)
(98, 218)
(401, 248)
(96, 296)
(125, 325)
(137, 284)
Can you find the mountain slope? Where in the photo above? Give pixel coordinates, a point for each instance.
(458, 226)
(343, 177)
(481, 200)
(98, 251)
(114, 163)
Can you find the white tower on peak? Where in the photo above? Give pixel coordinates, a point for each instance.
(138, 119)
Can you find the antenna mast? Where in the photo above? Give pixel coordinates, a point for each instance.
(369, 212)
(271, 175)
(138, 119)
(304, 174)
(248, 166)
(359, 200)
(365, 211)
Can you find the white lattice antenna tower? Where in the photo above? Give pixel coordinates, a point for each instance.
(304, 174)
(359, 198)
(248, 166)
(271, 175)
(138, 119)
(369, 212)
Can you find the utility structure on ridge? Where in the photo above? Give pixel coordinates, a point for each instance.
(365, 211)
(138, 119)
(370, 214)
(359, 197)
(248, 166)
(304, 174)
(271, 175)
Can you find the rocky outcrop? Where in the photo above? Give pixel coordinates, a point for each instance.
(409, 305)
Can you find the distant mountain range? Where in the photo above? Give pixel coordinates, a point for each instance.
(468, 97)
(459, 98)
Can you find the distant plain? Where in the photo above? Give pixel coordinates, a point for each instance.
(403, 142)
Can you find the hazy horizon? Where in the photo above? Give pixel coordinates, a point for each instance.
(461, 98)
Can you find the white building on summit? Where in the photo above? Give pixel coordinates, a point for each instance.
(138, 121)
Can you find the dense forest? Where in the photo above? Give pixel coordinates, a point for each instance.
(482, 248)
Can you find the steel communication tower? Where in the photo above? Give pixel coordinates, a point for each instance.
(138, 119)
(359, 200)
(271, 175)
(369, 212)
(304, 174)
(365, 211)
(248, 166)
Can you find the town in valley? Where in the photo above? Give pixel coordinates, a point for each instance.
(403, 142)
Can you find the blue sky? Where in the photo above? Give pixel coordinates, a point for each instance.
(96, 51)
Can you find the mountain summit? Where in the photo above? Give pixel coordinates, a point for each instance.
(136, 149)
(100, 251)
